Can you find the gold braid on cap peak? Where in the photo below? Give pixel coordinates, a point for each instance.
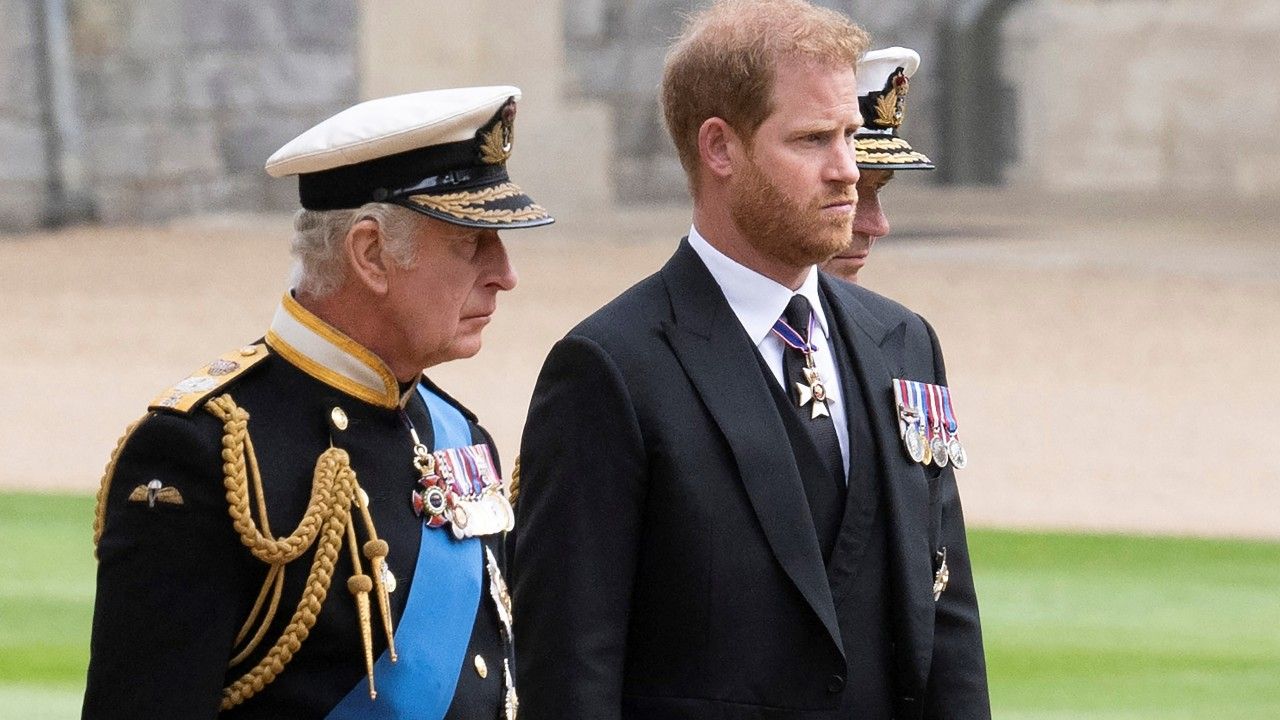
(328, 520)
(469, 205)
(882, 144)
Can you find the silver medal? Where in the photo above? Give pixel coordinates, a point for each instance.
(958, 456)
(938, 448)
(914, 445)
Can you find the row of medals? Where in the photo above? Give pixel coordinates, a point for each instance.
(439, 504)
(929, 437)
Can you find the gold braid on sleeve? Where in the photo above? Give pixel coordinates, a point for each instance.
(513, 485)
(104, 488)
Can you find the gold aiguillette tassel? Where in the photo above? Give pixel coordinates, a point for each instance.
(360, 585)
(376, 551)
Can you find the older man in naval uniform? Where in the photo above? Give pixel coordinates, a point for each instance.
(307, 527)
(719, 518)
(884, 79)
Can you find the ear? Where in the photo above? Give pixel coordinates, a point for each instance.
(368, 264)
(719, 147)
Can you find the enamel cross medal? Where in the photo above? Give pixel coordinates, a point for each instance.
(811, 392)
(434, 498)
(814, 392)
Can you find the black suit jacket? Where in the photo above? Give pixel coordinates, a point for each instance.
(666, 564)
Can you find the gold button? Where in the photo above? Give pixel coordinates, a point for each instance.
(339, 418)
(482, 669)
(249, 350)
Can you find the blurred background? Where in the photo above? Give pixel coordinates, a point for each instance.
(1097, 251)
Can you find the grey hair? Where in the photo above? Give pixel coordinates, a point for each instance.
(319, 269)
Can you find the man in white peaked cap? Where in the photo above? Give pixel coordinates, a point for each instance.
(279, 516)
(883, 83)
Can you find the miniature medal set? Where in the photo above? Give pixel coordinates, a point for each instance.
(459, 487)
(927, 424)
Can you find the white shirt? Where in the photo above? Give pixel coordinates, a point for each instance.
(758, 302)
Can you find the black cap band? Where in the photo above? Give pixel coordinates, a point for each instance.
(439, 168)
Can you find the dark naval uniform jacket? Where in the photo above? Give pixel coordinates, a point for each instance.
(669, 559)
(176, 583)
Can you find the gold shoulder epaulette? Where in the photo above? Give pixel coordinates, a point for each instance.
(188, 393)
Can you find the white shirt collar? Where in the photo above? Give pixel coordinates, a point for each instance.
(758, 301)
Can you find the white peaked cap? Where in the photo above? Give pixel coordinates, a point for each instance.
(876, 66)
(390, 125)
(442, 153)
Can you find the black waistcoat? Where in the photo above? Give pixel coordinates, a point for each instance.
(826, 498)
(852, 532)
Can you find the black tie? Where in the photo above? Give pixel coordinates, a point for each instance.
(822, 430)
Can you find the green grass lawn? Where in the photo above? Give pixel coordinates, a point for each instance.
(1077, 626)
(1110, 626)
(46, 603)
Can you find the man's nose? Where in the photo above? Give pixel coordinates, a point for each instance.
(501, 272)
(843, 165)
(869, 218)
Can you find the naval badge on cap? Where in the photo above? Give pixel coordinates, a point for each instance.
(883, 78)
(891, 106)
(442, 153)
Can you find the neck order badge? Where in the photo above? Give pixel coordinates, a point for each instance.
(812, 390)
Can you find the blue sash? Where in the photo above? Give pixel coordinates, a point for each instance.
(435, 629)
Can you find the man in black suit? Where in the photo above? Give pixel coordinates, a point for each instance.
(717, 518)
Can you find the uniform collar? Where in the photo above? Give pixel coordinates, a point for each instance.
(757, 300)
(324, 353)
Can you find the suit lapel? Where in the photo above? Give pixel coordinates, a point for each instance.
(722, 364)
(877, 356)
(858, 514)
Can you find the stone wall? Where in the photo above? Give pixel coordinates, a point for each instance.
(615, 50)
(22, 171)
(563, 150)
(1138, 96)
(181, 101)
(184, 100)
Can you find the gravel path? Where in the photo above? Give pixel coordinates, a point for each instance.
(1110, 361)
